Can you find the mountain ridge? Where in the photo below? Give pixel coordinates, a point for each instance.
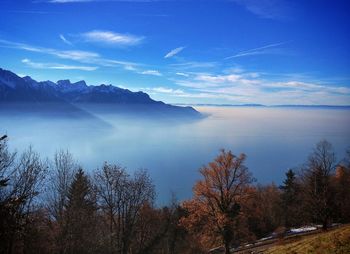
(15, 89)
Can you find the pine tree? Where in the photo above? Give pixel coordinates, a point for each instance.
(290, 199)
(80, 216)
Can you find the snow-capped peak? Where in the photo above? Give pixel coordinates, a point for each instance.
(67, 86)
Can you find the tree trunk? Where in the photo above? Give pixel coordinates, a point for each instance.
(227, 247)
(227, 237)
(325, 224)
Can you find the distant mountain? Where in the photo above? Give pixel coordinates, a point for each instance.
(14, 89)
(270, 106)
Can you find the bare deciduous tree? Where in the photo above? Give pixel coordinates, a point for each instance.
(61, 174)
(21, 183)
(121, 198)
(111, 184)
(317, 183)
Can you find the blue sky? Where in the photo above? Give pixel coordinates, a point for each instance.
(218, 51)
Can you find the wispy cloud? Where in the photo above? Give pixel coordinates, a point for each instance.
(269, 9)
(86, 1)
(193, 65)
(65, 40)
(66, 54)
(182, 74)
(246, 87)
(111, 38)
(180, 93)
(69, 1)
(57, 66)
(35, 12)
(163, 90)
(309, 87)
(130, 68)
(174, 52)
(151, 72)
(256, 51)
(86, 57)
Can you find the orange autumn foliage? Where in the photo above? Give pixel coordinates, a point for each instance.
(217, 200)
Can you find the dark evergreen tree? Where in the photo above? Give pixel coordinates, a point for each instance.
(290, 199)
(80, 225)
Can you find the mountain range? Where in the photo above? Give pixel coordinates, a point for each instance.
(15, 90)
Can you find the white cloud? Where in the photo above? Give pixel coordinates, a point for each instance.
(174, 52)
(182, 74)
(86, 57)
(70, 1)
(164, 90)
(234, 70)
(248, 87)
(57, 66)
(256, 51)
(65, 40)
(209, 80)
(74, 54)
(151, 72)
(111, 38)
(309, 87)
(130, 68)
(270, 9)
(230, 85)
(194, 65)
(86, 1)
(66, 54)
(218, 78)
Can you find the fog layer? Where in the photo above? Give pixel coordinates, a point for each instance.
(173, 150)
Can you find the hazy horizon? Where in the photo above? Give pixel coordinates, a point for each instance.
(274, 140)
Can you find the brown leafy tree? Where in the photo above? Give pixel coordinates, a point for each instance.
(342, 185)
(263, 210)
(217, 199)
(150, 230)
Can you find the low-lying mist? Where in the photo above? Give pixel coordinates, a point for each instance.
(174, 148)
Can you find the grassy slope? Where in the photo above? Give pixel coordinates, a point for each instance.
(335, 241)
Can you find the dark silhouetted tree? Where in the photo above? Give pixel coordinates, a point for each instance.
(291, 200)
(122, 199)
(62, 173)
(21, 180)
(263, 210)
(317, 187)
(80, 228)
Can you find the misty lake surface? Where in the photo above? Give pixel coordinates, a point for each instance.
(274, 139)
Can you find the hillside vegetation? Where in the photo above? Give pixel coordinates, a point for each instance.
(335, 241)
(54, 206)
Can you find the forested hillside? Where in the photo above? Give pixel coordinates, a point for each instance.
(54, 206)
